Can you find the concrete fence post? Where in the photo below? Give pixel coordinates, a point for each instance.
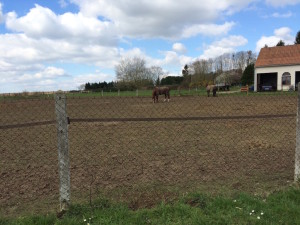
(63, 150)
(297, 152)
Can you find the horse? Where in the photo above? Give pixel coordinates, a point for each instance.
(160, 91)
(212, 88)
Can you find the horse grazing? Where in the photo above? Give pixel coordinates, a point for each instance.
(212, 88)
(160, 91)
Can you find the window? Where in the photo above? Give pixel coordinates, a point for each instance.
(286, 78)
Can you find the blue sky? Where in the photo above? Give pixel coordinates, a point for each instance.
(62, 44)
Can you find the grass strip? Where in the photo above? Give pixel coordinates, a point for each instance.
(281, 207)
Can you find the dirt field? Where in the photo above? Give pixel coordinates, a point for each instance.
(131, 150)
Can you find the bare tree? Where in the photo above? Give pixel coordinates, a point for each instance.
(134, 71)
(218, 64)
(202, 72)
(241, 60)
(155, 74)
(81, 87)
(251, 57)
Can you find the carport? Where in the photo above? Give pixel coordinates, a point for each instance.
(297, 79)
(267, 80)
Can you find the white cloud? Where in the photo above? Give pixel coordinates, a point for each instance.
(42, 36)
(41, 22)
(225, 45)
(179, 47)
(283, 33)
(281, 3)
(48, 79)
(1, 14)
(63, 3)
(20, 49)
(23, 78)
(162, 18)
(207, 29)
(284, 15)
(174, 61)
(49, 73)
(92, 35)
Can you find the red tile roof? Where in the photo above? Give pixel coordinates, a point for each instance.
(279, 56)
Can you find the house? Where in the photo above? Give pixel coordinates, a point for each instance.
(277, 68)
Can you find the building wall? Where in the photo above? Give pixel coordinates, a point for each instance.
(280, 70)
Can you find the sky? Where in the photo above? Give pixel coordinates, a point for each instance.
(62, 44)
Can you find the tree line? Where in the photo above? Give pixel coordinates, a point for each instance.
(225, 69)
(100, 86)
(229, 68)
(133, 73)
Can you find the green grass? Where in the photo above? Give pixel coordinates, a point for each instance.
(282, 207)
(235, 90)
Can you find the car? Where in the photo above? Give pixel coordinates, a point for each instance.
(267, 88)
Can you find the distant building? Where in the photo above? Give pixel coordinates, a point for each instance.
(277, 68)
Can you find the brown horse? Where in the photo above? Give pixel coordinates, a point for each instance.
(160, 91)
(212, 88)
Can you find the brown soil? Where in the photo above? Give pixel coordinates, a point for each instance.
(144, 162)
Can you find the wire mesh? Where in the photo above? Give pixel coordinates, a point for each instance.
(131, 150)
(28, 156)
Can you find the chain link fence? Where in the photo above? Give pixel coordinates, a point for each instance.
(77, 149)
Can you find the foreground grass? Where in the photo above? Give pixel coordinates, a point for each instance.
(278, 208)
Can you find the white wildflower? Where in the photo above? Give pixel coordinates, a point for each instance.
(261, 213)
(258, 217)
(253, 210)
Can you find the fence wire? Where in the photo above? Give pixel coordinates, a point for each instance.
(131, 150)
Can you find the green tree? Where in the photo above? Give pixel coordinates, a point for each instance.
(248, 75)
(185, 71)
(186, 77)
(280, 43)
(171, 80)
(297, 40)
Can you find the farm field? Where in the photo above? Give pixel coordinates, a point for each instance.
(201, 91)
(133, 151)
